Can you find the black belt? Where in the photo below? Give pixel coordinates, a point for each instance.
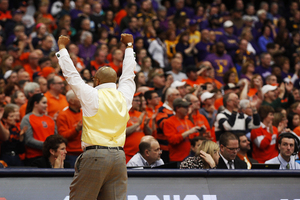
(11, 153)
(102, 147)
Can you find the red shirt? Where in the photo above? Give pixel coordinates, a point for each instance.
(264, 144)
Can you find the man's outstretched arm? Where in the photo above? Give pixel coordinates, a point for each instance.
(85, 93)
(126, 83)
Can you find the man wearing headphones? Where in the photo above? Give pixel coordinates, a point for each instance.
(288, 145)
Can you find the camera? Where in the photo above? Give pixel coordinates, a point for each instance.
(201, 130)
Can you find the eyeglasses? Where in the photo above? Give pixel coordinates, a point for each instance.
(233, 149)
(60, 83)
(136, 100)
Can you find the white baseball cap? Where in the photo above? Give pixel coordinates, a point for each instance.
(7, 74)
(227, 24)
(206, 95)
(267, 88)
(176, 84)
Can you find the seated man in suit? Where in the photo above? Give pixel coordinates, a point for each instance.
(229, 146)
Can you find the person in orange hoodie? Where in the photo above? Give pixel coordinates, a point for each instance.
(69, 125)
(179, 130)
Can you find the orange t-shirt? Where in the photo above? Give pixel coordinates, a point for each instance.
(179, 147)
(132, 142)
(42, 127)
(66, 122)
(55, 105)
(218, 103)
(192, 83)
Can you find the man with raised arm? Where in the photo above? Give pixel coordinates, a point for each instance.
(100, 171)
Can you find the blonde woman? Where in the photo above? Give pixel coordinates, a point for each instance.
(206, 157)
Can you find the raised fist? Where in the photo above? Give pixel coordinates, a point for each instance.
(63, 41)
(126, 38)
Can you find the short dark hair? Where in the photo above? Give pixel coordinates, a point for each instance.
(143, 146)
(148, 95)
(225, 137)
(44, 59)
(238, 135)
(196, 139)
(49, 82)
(285, 135)
(52, 142)
(264, 111)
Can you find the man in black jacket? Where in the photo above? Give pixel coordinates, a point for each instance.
(229, 146)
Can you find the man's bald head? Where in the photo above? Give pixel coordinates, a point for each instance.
(105, 75)
(147, 138)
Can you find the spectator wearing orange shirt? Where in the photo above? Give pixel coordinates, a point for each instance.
(40, 126)
(197, 118)
(178, 130)
(4, 12)
(192, 75)
(98, 62)
(33, 64)
(165, 112)
(116, 64)
(137, 127)
(69, 125)
(48, 18)
(56, 101)
(152, 101)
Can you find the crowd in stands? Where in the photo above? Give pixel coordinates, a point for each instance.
(227, 72)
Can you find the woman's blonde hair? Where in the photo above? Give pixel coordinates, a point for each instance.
(209, 147)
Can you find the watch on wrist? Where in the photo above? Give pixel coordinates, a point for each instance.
(129, 44)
